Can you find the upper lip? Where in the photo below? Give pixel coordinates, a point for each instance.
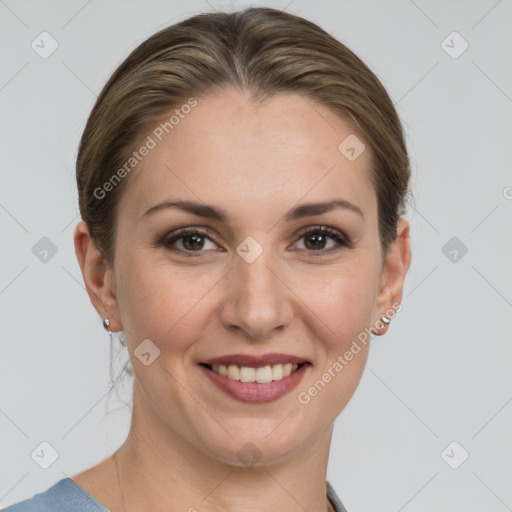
(255, 361)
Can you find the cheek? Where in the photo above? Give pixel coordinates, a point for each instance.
(340, 302)
(164, 303)
(339, 314)
(172, 305)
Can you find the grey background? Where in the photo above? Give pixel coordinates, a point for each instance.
(440, 374)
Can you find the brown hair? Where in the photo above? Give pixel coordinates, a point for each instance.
(262, 50)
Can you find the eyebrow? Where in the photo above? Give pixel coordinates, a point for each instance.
(216, 213)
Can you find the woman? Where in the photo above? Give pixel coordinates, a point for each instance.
(242, 181)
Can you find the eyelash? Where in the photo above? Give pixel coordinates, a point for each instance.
(342, 240)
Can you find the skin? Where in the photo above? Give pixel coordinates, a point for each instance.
(181, 450)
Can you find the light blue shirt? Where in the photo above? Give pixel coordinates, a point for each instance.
(67, 496)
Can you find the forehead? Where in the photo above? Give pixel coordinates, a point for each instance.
(233, 150)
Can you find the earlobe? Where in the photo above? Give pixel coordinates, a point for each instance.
(97, 275)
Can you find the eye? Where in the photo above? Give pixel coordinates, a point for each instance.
(188, 240)
(315, 240)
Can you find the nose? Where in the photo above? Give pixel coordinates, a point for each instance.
(257, 300)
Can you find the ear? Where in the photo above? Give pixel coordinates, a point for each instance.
(394, 269)
(98, 277)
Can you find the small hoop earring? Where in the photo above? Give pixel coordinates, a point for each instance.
(385, 319)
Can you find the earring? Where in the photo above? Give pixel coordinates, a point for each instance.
(106, 324)
(385, 320)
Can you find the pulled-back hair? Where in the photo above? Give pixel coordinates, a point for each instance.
(261, 50)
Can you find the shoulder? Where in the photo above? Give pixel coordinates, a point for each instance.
(333, 498)
(64, 496)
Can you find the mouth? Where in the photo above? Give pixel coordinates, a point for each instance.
(255, 378)
(261, 374)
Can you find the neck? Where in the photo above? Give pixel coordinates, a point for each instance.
(159, 470)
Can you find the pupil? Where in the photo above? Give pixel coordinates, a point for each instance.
(198, 242)
(317, 237)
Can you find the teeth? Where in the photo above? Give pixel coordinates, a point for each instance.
(261, 375)
(233, 372)
(247, 374)
(277, 372)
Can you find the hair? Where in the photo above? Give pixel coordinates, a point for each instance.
(261, 50)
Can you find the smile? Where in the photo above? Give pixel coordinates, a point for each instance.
(255, 384)
(262, 375)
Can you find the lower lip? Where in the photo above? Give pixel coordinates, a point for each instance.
(253, 391)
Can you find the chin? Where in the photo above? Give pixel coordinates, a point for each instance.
(256, 446)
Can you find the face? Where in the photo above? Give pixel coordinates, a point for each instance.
(255, 274)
